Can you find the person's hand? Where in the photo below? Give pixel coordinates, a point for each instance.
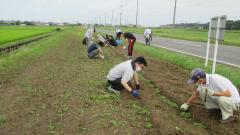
(124, 47)
(209, 92)
(137, 87)
(184, 107)
(102, 57)
(134, 93)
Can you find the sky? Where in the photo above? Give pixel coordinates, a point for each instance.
(151, 12)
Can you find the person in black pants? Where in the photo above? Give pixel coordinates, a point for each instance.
(120, 76)
(130, 40)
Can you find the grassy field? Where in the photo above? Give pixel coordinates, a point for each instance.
(231, 37)
(14, 33)
(32, 50)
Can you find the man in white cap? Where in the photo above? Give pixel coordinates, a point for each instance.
(216, 92)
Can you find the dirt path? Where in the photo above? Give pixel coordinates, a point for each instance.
(63, 92)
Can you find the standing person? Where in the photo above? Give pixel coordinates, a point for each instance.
(120, 76)
(148, 35)
(118, 30)
(94, 51)
(130, 40)
(216, 92)
(88, 37)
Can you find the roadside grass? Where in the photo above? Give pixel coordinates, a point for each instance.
(14, 33)
(32, 50)
(231, 37)
(189, 62)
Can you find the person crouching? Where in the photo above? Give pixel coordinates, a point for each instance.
(94, 51)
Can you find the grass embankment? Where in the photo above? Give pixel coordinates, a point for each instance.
(15, 33)
(231, 37)
(189, 63)
(32, 50)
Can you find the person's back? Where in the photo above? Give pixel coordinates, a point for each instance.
(89, 33)
(220, 83)
(123, 70)
(92, 48)
(118, 30)
(147, 31)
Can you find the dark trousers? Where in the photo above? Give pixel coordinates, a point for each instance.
(116, 84)
(130, 47)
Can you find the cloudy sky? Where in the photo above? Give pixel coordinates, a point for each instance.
(151, 12)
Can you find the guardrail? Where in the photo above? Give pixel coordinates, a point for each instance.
(15, 46)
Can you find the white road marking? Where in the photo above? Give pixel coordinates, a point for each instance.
(191, 54)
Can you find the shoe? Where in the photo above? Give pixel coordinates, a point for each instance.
(229, 119)
(113, 90)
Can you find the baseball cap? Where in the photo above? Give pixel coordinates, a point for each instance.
(195, 74)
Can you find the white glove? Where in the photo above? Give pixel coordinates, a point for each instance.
(184, 107)
(209, 92)
(124, 47)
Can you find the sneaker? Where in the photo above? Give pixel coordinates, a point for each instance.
(238, 105)
(113, 90)
(229, 119)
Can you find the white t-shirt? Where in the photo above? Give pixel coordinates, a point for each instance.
(123, 70)
(118, 30)
(89, 33)
(147, 31)
(219, 83)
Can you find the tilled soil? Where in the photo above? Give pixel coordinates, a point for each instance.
(63, 92)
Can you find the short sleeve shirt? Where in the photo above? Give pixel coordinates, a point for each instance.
(219, 83)
(123, 70)
(92, 48)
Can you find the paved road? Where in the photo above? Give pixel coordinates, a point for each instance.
(229, 55)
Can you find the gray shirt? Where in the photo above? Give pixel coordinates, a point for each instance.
(123, 70)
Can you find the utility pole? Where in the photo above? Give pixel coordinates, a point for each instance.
(112, 19)
(137, 15)
(174, 15)
(105, 21)
(121, 15)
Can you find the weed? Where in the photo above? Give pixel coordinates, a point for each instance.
(200, 125)
(148, 125)
(115, 123)
(3, 120)
(139, 109)
(51, 128)
(186, 115)
(103, 98)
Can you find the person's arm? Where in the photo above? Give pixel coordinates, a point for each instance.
(126, 86)
(135, 78)
(226, 93)
(101, 53)
(194, 96)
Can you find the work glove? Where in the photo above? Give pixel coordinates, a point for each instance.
(134, 93)
(209, 92)
(137, 87)
(184, 107)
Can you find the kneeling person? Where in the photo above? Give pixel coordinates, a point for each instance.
(94, 51)
(216, 92)
(119, 77)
